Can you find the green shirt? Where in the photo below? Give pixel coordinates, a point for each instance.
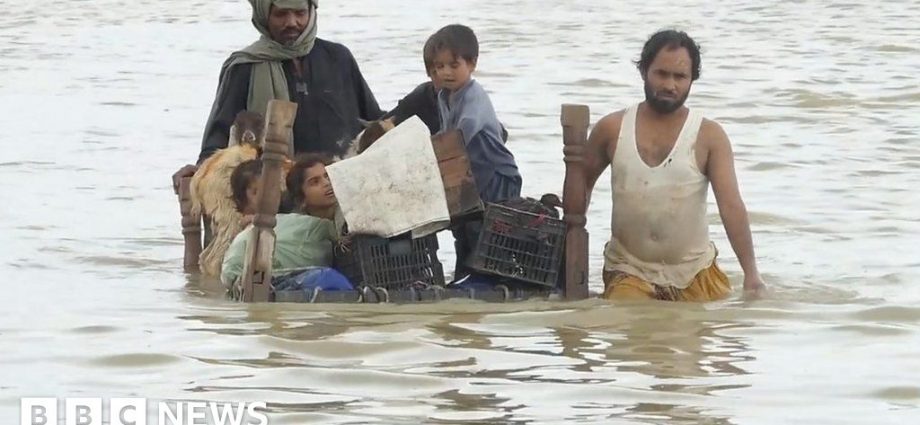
(301, 241)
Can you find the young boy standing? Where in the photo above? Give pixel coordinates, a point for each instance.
(423, 100)
(465, 106)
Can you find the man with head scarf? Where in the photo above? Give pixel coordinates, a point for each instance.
(289, 62)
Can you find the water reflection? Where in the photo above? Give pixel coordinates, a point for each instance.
(676, 345)
(609, 360)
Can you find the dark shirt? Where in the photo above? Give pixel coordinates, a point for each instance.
(328, 111)
(423, 102)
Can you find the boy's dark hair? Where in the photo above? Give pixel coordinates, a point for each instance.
(670, 39)
(298, 174)
(428, 55)
(242, 176)
(459, 39)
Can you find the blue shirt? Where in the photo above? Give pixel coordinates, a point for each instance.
(470, 111)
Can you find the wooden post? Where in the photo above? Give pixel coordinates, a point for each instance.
(191, 227)
(574, 199)
(257, 270)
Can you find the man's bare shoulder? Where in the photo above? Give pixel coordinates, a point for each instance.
(712, 135)
(611, 121)
(711, 139)
(607, 129)
(607, 132)
(602, 143)
(712, 130)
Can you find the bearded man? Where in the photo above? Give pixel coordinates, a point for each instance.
(663, 158)
(289, 62)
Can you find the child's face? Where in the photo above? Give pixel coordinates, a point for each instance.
(452, 71)
(317, 189)
(252, 196)
(435, 81)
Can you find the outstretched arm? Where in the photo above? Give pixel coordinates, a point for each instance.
(720, 167)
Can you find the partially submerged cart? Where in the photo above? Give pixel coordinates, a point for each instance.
(527, 254)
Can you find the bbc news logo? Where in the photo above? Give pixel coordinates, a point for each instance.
(134, 411)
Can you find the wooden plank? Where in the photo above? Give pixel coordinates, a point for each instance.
(574, 200)
(191, 227)
(257, 269)
(459, 185)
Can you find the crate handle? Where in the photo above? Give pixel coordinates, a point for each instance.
(386, 295)
(315, 295)
(366, 292)
(505, 292)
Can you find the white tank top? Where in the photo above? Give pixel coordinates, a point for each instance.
(659, 228)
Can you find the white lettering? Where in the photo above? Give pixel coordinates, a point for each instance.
(255, 414)
(197, 410)
(223, 413)
(175, 417)
(133, 411)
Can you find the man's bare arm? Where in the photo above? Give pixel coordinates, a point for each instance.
(597, 152)
(720, 167)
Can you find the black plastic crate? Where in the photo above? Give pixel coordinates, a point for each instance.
(520, 245)
(393, 263)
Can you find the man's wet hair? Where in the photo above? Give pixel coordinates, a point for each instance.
(459, 39)
(243, 175)
(670, 39)
(298, 174)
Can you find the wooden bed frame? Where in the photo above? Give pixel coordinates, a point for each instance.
(459, 186)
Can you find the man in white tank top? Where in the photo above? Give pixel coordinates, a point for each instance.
(663, 158)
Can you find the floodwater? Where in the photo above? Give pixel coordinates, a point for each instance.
(100, 101)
